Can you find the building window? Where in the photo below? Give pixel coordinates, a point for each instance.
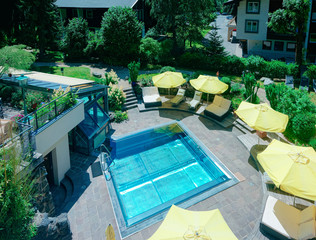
(253, 6)
(252, 26)
(74, 12)
(278, 46)
(266, 45)
(314, 17)
(290, 47)
(89, 14)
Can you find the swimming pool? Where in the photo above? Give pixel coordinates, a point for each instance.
(157, 167)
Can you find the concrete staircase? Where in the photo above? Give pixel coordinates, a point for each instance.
(131, 100)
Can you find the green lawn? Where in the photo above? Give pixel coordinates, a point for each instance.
(76, 72)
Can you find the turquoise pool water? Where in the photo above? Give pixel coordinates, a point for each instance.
(158, 167)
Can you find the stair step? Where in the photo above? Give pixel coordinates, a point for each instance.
(130, 106)
(130, 103)
(241, 125)
(128, 90)
(67, 184)
(130, 99)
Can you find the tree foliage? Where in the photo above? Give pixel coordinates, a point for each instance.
(16, 212)
(150, 50)
(215, 44)
(76, 38)
(292, 19)
(15, 57)
(184, 18)
(121, 32)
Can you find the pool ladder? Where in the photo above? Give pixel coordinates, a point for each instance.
(106, 161)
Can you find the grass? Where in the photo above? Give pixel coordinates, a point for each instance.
(76, 72)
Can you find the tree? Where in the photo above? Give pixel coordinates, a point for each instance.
(184, 18)
(76, 38)
(40, 25)
(215, 43)
(14, 57)
(150, 50)
(16, 213)
(291, 19)
(121, 32)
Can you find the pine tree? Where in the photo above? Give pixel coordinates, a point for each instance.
(214, 45)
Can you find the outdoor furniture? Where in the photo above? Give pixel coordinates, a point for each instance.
(196, 100)
(178, 98)
(286, 222)
(151, 97)
(289, 81)
(5, 130)
(219, 108)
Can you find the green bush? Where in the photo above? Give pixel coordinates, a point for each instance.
(275, 69)
(228, 82)
(150, 50)
(236, 101)
(195, 60)
(256, 65)
(312, 142)
(292, 70)
(6, 93)
(15, 198)
(147, 82)
(120, 116)
(116, 98)
(311, 72)
(167, 68)
(274, 93)
(121, 34)
(133, 69)
(94, 44)
(232, 64)
(17, 99)
(110, 78)
(303, 126)
(251, 87)
(34, 100)
(76, 38)
(237, 89)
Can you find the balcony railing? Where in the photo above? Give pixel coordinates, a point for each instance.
(49, 111)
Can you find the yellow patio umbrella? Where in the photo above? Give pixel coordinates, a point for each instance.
(209, 84)
(262, 117)
(291, 168)
(193, 225)
(168, 80)
(109, 233)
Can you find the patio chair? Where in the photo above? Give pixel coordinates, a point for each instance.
(196, 100)
(287, 222)
(219, 108)
(304, 83)
(178, 98)
(151, 97)
(289, 81)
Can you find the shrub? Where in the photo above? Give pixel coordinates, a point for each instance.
(94, 44)
(275, 69)
(167, 68)
(149, 50)
(274, 93)
(311, 72)
(228, 82)
(236, 101)
(303, 125)
(251, 87)
(120, 116)
(76, 38)
(147, 82)
(121, 33)
(292, 70)
(6, 93)
(116, 98)
(152, 33)
(312, 142)
(110, 78)
(256, 65)
(17, 99)
(34, 99)
(237, 89)
(195, 60)
(133, 69)
(232, 64)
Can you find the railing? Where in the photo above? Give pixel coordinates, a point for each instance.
(49, 111)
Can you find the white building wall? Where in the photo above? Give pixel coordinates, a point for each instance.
(262, 17)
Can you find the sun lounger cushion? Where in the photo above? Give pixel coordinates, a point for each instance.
(178, 98)
(285, 221)
(219, 108)
(151, 97)
(196, 100)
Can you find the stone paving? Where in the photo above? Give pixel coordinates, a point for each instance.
(91, 211)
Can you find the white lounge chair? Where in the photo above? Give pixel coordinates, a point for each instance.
(287, 222)
(151, 97)
(178, 98)
(196, 100)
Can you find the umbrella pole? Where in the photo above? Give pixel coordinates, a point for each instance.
(207, 99)
(168, 91)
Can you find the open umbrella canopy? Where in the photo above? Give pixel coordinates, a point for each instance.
(194, 225)
(109, 233)
(262, 117)
(291, 168)
(209, 84)
(168, 80)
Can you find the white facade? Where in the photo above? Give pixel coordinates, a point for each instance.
(54, 138)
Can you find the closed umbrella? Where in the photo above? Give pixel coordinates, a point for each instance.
(109, 233)
(209, 84)
(182, 224)
(168, 80)
(291, 168)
